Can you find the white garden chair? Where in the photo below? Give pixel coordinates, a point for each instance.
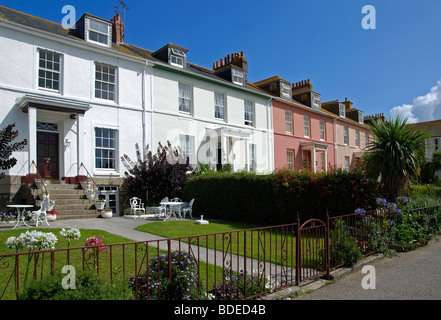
(41, 214)
(189, 209)
(136, 206)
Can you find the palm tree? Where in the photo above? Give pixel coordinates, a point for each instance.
(395, 154)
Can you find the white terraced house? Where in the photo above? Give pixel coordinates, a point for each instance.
(82, 98)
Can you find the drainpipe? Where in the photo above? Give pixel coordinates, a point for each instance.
(335, 142)
(269, 123)
(143, 110)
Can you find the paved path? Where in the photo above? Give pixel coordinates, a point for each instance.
(414, 275)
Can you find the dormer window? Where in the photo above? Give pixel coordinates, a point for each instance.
(98, 32)
(316, 102)
(286, 90)
(342, 110)
(177, 57)
(360, 117)
(237, 76)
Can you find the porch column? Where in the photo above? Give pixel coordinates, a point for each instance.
(326, 160)
(314, 159)
(224, 148)
(247, 155)
(32, 139)
(80, 141)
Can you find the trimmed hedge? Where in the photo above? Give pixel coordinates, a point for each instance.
(279, 197)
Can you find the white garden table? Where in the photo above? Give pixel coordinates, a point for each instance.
(170, 211)
(20, 212)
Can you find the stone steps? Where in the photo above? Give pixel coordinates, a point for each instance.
(70, 201)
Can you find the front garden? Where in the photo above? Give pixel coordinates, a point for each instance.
(265, 231)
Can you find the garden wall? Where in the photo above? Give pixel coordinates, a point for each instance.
(277, 198)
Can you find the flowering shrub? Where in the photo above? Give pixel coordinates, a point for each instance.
(94, 245)
(71, 234)
(7, 216)
(32, 241)
(234, 284)
(165, 279)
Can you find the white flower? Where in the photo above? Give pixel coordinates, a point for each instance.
(70, 234)
(32, 241)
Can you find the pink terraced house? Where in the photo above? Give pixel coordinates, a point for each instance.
(312, 135)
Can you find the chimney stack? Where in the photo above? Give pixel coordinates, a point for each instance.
(117, 29)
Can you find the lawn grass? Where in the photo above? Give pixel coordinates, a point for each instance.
(260, 244)
(120, 261)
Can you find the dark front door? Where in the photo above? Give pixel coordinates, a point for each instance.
(47, 154)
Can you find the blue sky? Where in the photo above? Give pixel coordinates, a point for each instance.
(396, 67)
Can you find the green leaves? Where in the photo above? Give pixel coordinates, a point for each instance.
(395, 154)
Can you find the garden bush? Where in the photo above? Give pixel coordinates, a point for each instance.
(279, 197)
(169, 279)
(88, 286)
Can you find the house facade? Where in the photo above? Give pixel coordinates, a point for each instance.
(83, 98)
(309, 134)
(303, 133)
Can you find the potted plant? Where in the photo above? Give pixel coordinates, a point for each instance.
(107, 213)
(51, 215)
(51, 205)
(90, 194)
(86, 184)
(40, 184)
(43, 195)
(99, 204)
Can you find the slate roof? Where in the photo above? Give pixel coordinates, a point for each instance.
(124, 48)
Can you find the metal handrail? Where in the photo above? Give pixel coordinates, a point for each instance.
(90, 176)
(39, 175)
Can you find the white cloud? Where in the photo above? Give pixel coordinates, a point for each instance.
(424, 108)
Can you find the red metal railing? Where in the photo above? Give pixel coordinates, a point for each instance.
(231, 265)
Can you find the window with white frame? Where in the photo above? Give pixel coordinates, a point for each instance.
(177, 57)
(98, 32)
(307, 126)
(286, 90)
(316, 101)
(185, 97)
(237, 76)
(187, 147)
(249, 113)
(288, 122)
(105, 148)
(219, 105)
(105, 81)
(322, 130)
(290, 159)
(342, 110)
(360, 117)
(347, 163)
(357, 138)
(49, 70)
(252, 158)
(346, 135)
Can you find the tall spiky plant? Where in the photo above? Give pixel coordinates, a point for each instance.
(395, 154)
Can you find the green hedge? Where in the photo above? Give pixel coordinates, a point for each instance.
(278, 197)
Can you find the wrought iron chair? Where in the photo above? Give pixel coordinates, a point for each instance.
(136, 205)
(189, 209)
(41, 214)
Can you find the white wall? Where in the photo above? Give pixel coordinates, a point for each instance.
(18, 77)
(169, 123)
